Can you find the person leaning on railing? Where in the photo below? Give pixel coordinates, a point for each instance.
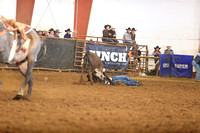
(112, 34)
(57, 33)
(127, 36)
(68, 33)
(51, 32)
(133, 35)
(156, 53)
(169, 50)
(106, 34)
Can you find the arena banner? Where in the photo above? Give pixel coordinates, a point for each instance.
(182, 66)
(175, 65)
(165, 65)
(113, 57)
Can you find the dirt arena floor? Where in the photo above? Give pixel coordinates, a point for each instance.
(59, 104)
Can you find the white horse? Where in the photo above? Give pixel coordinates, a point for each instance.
(27, 63)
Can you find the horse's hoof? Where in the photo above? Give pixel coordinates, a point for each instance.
(18, 97)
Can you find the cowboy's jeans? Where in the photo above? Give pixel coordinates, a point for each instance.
(197, 69)
(124, 79)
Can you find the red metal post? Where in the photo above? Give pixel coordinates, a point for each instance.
(81, 17)
(25, 11)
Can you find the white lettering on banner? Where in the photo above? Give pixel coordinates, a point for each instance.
(111, 56)
(105, 56)
(165, 65)
(122, 57)
(181, 66)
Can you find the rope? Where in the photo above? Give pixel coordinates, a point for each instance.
(43, 13)
(52, 14)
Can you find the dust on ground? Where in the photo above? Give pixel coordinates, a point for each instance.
(60, 104)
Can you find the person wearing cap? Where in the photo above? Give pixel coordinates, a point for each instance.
(133, 35)
(127, 36)
(57, 32)
(196, 64)
(68, 33)
(106, 33)
(51, 32)
(169, 50)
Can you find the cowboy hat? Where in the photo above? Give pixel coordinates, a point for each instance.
(134, 29)
(68, 30)
(51, 29)
(157, 47)
(57, 31)
(107, 25)
(128, 28)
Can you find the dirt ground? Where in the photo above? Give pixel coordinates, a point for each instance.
(59, 104)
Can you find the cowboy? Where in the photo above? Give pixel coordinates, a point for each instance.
(169, 50)
(57, 32)
(21, 27)
(112, 34)
(196, 64)
(51, 33)
(106, 33)
(127, 36)
(68, 33)
(156, 53)
(133, 35)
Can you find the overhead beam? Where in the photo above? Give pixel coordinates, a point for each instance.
(24, 11)
(81, 17)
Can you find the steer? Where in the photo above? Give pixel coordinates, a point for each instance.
(94, 65)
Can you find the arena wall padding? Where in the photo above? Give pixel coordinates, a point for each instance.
(59, 54)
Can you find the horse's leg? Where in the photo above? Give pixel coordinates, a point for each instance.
(26, 69)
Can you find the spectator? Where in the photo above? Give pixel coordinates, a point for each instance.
(68, 33)
(127, 36)
(57, 32)
(51, 32)
(156, 53)
(133, 35)
(45, 33)
(196, 64)
(169, 50)
(112, 34)
(40, 33)
(106, 33)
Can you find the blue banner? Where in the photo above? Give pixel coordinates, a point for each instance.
(175, 65)
(113, 57)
